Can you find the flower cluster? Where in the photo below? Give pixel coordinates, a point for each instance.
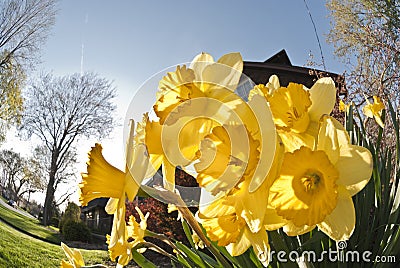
(275, 160)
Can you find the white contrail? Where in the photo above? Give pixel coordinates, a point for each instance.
(83, 46)
(82, 59)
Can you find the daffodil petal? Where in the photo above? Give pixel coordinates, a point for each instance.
(355, 168)
(323, 98)
(294, 141)
(367, 111)
(226, 72)
(328, 139)
(74, 255)
(154, 165)
(251, 213)
(112, 205)
(273, 83)
(260, 245)
(233, 60)
(241, 245)
(199, 63)
(293, 230)
(267, 138)
(65, 264)
(136, 170)
(213, 206)
(340, 224)
(379, 121)
(272, 221)
(168, 171)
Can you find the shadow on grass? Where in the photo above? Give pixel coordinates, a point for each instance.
(29, 226)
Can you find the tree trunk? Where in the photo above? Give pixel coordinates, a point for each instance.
(48, 203)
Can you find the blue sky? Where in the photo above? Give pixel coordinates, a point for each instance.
(129, 41)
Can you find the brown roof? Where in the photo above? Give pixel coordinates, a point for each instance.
(279, 64)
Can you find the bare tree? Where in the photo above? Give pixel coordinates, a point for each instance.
(366, 36)
(24, 26)
(41, 162)
(59, 110)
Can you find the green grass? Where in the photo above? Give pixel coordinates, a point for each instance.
(29, 225)
(20, 250)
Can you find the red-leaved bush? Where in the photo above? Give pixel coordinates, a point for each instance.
(160, 221)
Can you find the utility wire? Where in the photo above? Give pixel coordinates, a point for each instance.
(316, 34)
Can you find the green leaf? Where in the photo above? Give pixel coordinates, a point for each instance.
(188, 233)
(196, 259)
(141, 260)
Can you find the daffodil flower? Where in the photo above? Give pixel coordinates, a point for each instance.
(191, 102)
(218, 169)
(198, 243)
(136, 231)
(266, 90)
(130, 236)
(315, 187)
(342, 106)
(171, 208)
(297, 110)
(104, 180)
(229, 229)
(374, 110)
(74, 257)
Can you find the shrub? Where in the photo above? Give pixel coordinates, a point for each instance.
(76, 231)
(55, 221)
(72, 213)
(159, 221)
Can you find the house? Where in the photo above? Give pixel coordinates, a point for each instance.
(95, 216)
(280, 65)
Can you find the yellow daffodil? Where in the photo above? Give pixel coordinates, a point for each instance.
(235, 151)
(128, 238)
(218, 169)
(187, 101)
(236, 218)
(225, 226)
(204, 78)
(315, 187)
(198, 243)
(171, 208)
(374, 110)
(343, 107)
(136, 231)
(297, 110)
(191, 102)
(74, 257)
(266, 90)
(233, 176)
(104, 180)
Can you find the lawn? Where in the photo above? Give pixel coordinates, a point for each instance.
(20, 250)
(28, 225)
